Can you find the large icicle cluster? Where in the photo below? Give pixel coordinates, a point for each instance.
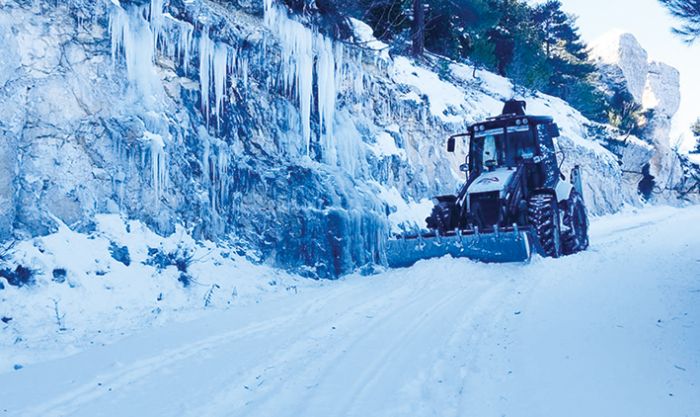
(131, 35)
(313, 69)
(305, 51)
(141, 34)
(213, 71)
(145, 32)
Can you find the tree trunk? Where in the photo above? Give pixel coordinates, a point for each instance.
(418, 27)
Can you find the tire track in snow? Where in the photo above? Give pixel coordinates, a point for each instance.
(371, 378)
(70, 402)
(310, 345)
(328, 367)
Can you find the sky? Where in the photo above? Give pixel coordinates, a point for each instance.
(651, 24)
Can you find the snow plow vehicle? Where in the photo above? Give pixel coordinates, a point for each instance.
(515, 202)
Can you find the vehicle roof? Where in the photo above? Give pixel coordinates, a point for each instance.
(510, 119)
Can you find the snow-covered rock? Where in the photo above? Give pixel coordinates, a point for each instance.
(244, 125)
(656, 88)
(662, 89)
(624, 51)
(654, 85)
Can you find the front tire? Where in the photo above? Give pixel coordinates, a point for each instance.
(543, 215)
(444, 216)
(575, 237)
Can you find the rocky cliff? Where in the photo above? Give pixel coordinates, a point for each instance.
(245, 126)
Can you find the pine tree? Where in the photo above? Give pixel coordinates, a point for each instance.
(623, 110)
(553, 23)
(517, 43)
(538, 47)
(453, 26)
(388, 18)
(688, 11)
(418, 28)
(572, 75)
(695, 128)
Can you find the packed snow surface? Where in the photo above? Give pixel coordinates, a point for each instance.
(609, 332)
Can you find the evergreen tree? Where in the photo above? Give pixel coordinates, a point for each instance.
(695, 128)
(418, 28)
(538, 47)
(389, 19)
(452, 26)
(624, 112)
(503, 48)
(553, 22)
(572, 75)
(517, 41)
(688, 11)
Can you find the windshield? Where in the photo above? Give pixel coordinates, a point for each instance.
(491, 150)
(490, 154)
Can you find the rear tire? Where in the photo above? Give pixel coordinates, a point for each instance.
(575, 236)
(543, 215)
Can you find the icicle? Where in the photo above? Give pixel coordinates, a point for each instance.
(131, 34)
(215, 161)
(205, 52)
(326, 93)
(156, 19)
(118, 25)
(213, 65)
(220, 64)
(243, 66)
(184, 44)
(221, 178)
(156, 157)
(298, 59)
(305, 53)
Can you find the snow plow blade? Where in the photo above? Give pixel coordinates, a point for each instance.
(502, 246)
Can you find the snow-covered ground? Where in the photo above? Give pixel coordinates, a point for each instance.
(613, 331)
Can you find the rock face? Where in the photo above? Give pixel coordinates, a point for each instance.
(244, 126)
(624, 51)
(656, 87)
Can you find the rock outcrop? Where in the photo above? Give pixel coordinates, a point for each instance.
(655, 86)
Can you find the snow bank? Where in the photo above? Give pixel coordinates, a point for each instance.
(94, 287)
(405, 216)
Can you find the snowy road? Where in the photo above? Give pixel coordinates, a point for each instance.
(614, 331)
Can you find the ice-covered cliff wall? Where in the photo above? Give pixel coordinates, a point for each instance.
(242, 124)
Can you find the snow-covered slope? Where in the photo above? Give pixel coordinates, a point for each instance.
(241, 124)
(609, 332)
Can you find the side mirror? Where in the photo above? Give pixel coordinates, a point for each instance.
(554, 130)
(464, 167)
(562, 158)
(451, 144)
